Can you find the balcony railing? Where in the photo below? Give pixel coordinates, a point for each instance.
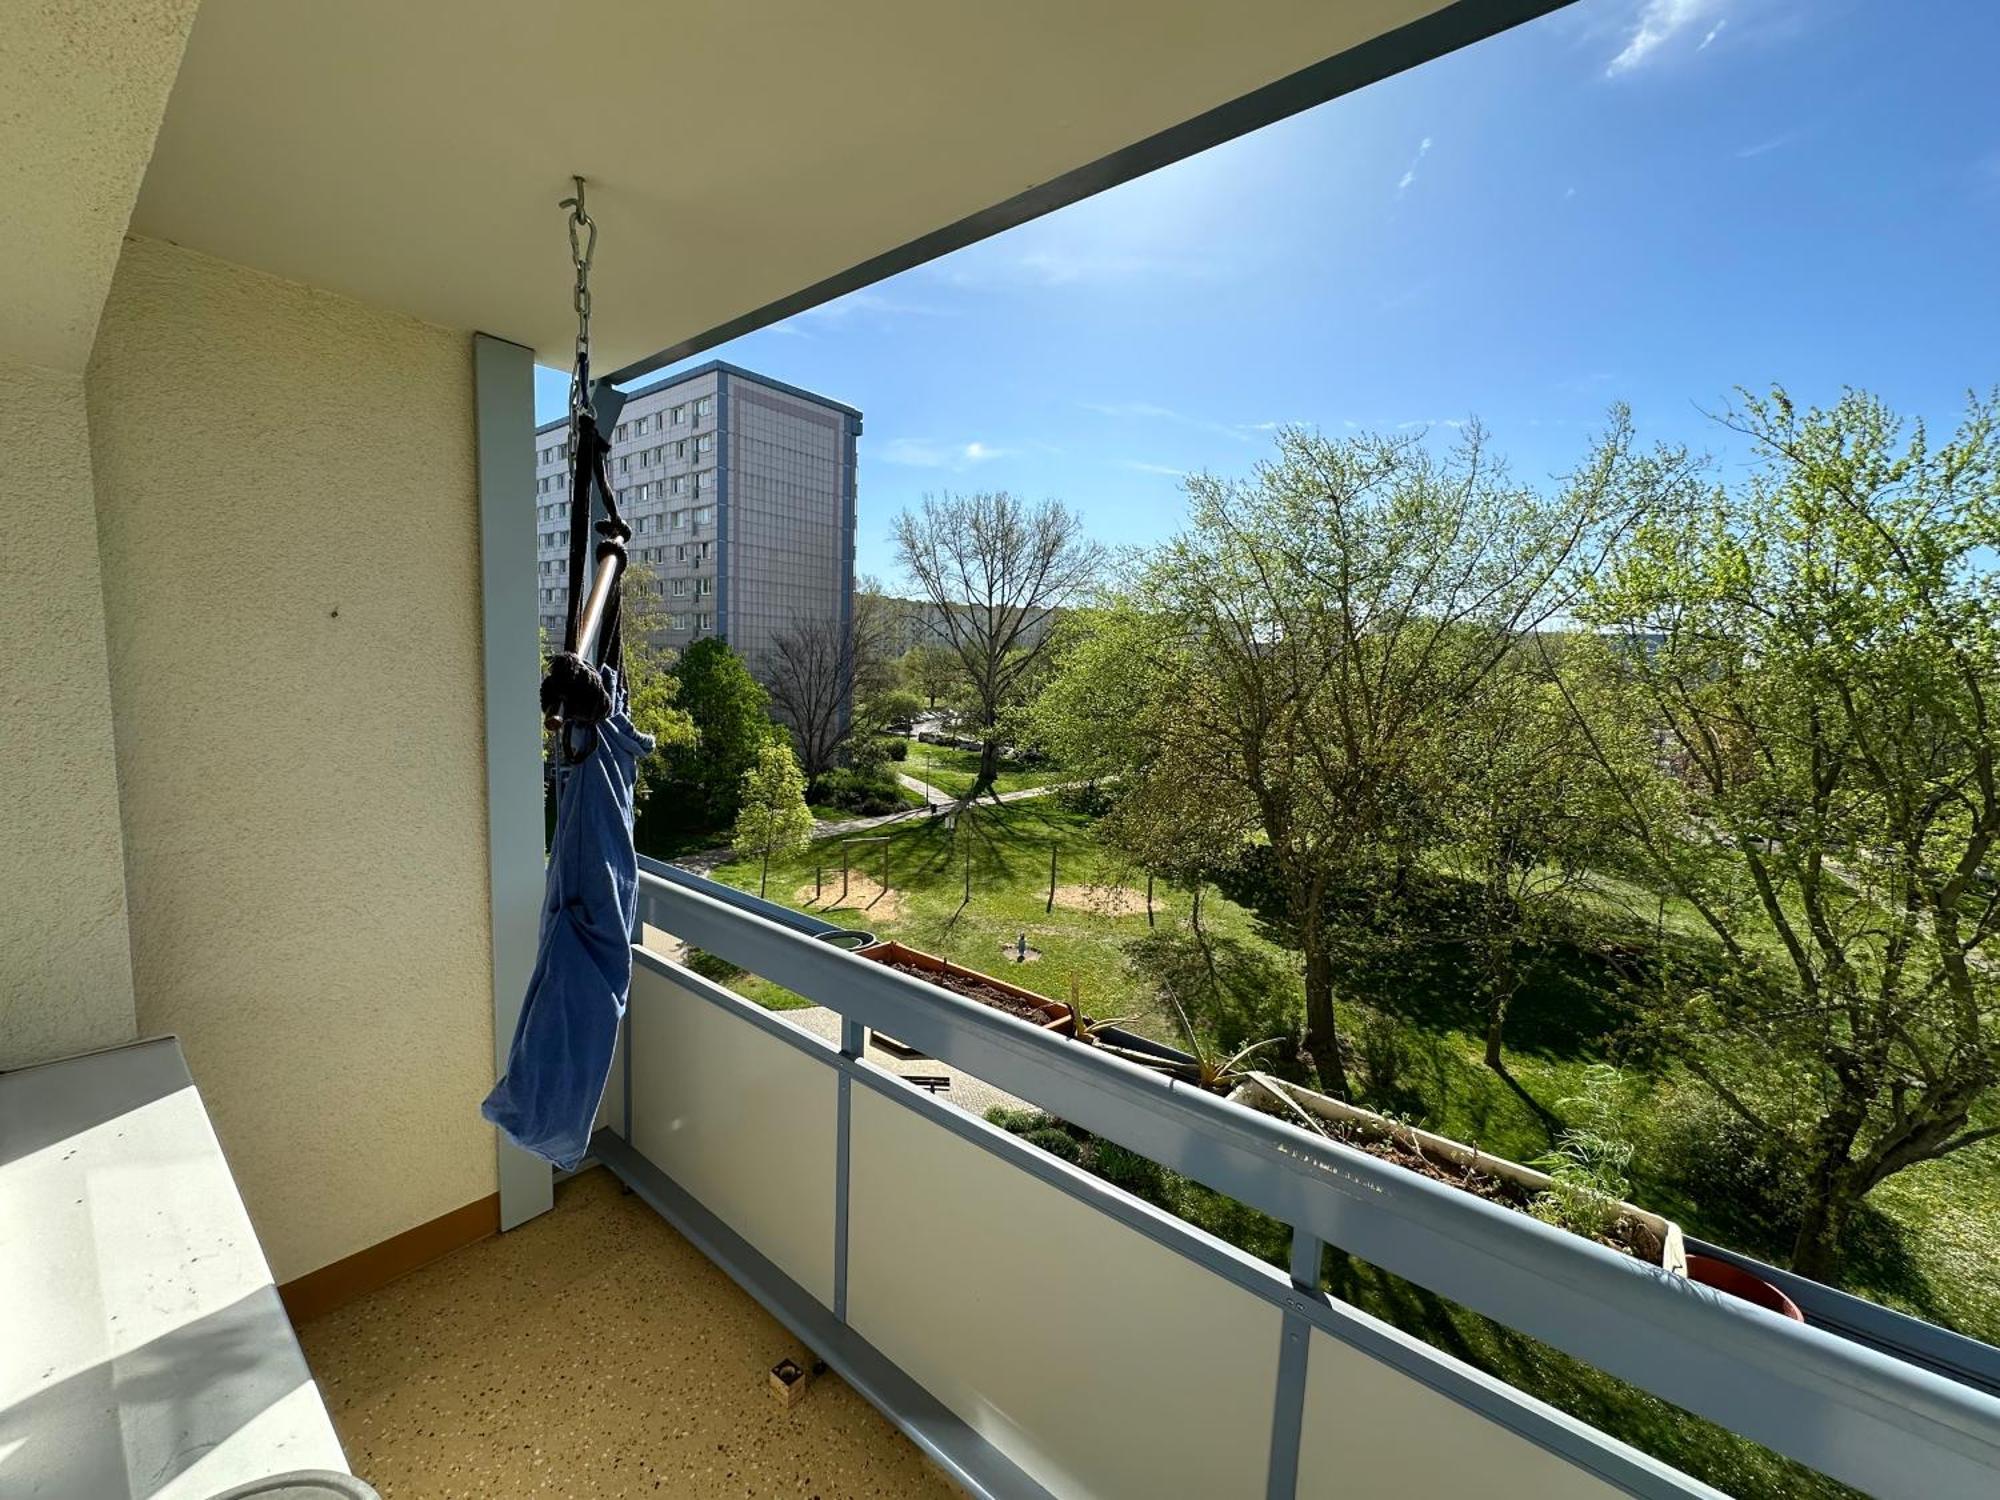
(1039, 1331)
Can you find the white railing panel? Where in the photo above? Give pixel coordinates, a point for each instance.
(739, 1119)
(1097, 1360)
(1369, 1429)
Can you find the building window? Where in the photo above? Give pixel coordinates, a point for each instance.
(680, 519)
(680, 484)
(705, 443)
(703, 407)
(618, 432)
(680, 415)
(704, 515)
(704, 482)
(680, 588)
(701, 622)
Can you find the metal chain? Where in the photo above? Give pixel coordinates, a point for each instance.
(582, 246)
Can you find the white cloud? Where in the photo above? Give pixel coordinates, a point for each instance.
(1658, 23)
(1151, 411)
(922, 453)
(1063, 267)
(1410, 174)
(1784, 138)
(1713, 32)
(866, 305)
(1145, 468)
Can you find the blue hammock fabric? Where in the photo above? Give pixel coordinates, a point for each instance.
(547, 1100)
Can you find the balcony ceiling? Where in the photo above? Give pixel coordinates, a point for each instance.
(739, 154)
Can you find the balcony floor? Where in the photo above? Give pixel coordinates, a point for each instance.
(591, 1352)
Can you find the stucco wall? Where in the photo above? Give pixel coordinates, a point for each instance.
(289, 530)
(86, 83)
(65, 968)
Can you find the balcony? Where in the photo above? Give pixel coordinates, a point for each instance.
(276, 282)
(959, 1279)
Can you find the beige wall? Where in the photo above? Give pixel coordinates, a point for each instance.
(65, 969)
(289, 531)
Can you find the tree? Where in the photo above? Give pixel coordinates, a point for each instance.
(1818, 652)
(653, 691)
(727, 709)
(931, 670)
(1283, 676)
(1529, 814)
(817, 668)
(772, 817)
(996, 570)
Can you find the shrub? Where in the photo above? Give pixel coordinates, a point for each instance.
(899, 749)
(853, 792)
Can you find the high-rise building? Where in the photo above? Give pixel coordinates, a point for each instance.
(739, 490)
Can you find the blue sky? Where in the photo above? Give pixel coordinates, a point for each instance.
(1642, 200)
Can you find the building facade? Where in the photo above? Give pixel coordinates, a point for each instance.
(740, 492)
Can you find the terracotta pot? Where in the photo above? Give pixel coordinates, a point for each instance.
(1738, 1282)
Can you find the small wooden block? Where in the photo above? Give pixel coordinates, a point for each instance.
(789, 1380)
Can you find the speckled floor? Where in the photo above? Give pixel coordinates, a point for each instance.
(590, 1352)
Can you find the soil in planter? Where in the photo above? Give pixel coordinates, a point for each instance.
(974, 989)
(1627, 1235)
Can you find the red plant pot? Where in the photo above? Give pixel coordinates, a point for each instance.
(1738, 1282)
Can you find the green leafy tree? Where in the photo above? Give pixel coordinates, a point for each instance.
(728, 709)
(931, 671)
(1529, 815)
(653, 689)
(773, 817)
(1818, 652)
(1283, 675)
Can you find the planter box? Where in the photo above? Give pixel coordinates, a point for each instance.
(1271, 1096)
(1054, 1014)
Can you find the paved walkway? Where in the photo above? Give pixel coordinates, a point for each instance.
(704, 861)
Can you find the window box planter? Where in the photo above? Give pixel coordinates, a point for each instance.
(1642, 1235)
(998, 994)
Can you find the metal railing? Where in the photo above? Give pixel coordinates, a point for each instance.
(1869, 1417)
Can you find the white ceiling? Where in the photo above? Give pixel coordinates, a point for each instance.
(411, 152)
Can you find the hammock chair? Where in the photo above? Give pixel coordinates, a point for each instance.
(546, 1101)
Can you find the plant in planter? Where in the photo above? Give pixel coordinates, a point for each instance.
(1205, 1064)
(1586, 1170)
(1586, 1202)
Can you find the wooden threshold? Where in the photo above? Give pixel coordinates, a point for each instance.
(319, 1292)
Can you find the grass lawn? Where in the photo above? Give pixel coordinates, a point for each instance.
(952, 771)
(1924, 1245)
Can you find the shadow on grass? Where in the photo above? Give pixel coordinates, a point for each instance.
(1234, 993)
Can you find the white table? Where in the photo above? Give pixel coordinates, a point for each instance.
(143, 1349)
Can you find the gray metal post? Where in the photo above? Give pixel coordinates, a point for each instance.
(503, 377)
